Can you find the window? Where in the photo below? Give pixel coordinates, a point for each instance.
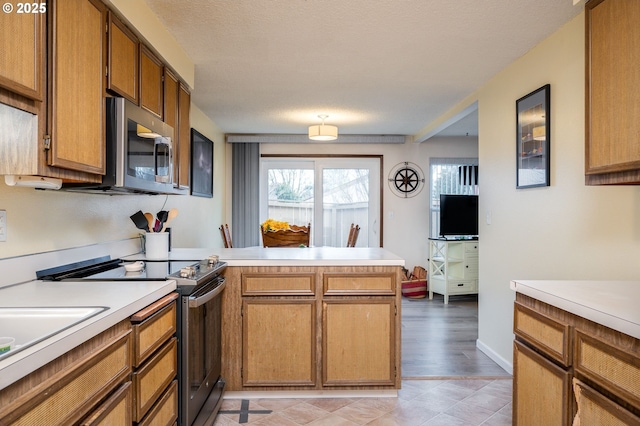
(328, 192)
(450, 176)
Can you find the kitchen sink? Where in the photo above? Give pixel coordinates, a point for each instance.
(30, 325)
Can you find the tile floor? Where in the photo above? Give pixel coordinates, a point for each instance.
(452, 402)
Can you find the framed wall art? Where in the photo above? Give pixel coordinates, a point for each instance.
(201, 165)
(532, 138)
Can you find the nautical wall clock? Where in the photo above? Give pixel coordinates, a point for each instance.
(406, 180)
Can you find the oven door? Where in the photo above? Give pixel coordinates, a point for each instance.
(201, 384)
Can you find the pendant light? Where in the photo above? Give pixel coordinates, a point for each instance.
(323, 132)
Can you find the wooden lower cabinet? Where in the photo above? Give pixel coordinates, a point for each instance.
(155, 361)
(538, 380)
(311, 328)
(358, 341)
(570, 370)
(272, 328)
(596, 409)
(68, 389)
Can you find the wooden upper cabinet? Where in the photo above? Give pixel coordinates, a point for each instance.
(123, 60)
(612, 92)
(151, 88)
(22, 43)
(171, 85)
(184, 138)
(76, 98)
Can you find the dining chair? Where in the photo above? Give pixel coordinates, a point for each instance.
(226, 236)
(295, 237)
(353, 235)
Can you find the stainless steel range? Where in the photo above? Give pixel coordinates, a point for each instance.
(199, 322)
(200, 338)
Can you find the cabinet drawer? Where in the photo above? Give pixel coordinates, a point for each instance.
(550, 335)
(114, 411)
(151, 333)
(596, 409)
(462, 286)
(284, 284)
(66, 397)
(360, 283)
(165, 412)
(471, 249)
(616, 370)
(151, 380)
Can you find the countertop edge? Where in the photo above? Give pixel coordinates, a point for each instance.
(530, 288)
(13, 369)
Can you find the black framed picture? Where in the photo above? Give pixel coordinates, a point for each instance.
(201, 165)
(532, 138)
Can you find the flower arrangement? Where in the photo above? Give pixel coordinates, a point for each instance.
(274, 225)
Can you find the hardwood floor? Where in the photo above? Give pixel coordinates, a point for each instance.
(439, 340)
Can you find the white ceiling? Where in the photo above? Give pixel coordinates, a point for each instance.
(373, 66)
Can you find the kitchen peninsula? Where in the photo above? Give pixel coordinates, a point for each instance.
(312, 319)
(293, 319)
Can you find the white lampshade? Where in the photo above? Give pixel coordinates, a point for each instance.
(323, 132)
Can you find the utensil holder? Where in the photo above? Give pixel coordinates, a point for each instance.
(156, 245)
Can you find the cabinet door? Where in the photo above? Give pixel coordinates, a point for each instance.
(151, 71)
(184, 138)
(76, 108)
(541, 390)
(171, 116)
(73, 392)
(596, 409)
(612, 90)
(123, 47)
(22, 43)
(358, 342)
(271, 328)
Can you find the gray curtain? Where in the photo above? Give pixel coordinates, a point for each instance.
(245, 194)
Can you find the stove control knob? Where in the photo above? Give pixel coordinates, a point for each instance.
(188, 272)
(213, 259)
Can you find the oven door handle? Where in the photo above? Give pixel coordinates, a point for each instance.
(199, 298)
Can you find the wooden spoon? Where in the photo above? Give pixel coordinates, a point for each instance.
(150, 220)
(170, 216)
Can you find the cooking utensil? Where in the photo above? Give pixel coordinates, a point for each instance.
(140, 220)
(170, 216)
(162, 217)
(150, 221)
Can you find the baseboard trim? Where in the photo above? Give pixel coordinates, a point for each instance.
(379, 393)
(503, 363)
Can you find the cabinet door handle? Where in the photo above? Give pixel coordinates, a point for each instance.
(461, 284)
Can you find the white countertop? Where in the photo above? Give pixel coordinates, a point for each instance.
(280, 256)
(123, 299)
(611, 303)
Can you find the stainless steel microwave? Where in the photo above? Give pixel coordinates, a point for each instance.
(139, 152)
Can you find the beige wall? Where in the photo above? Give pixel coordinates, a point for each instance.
(406, 220)
(565, 231)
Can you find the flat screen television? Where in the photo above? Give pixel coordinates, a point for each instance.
(458, 215)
